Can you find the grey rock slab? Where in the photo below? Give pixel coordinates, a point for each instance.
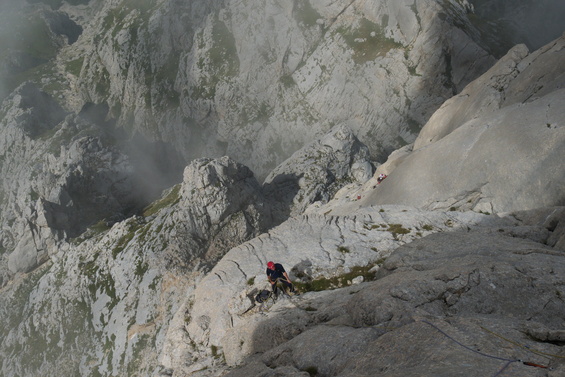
(507, 161)
(449, 304)
(315, 246)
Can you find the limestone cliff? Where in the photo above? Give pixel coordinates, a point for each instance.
(154, 154)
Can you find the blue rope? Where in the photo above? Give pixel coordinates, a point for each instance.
(504, 367)
(509, 361)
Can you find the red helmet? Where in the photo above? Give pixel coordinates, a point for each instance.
(271, 266)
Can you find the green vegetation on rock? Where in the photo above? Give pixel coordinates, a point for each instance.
(305, 14)
(344, 280)
(170, 199)
(219, 62)
(367, 40)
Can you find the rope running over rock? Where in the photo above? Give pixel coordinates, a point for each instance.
(508, 361)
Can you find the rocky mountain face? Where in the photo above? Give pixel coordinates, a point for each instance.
(514, 111)
(215, 78)
(154, 155)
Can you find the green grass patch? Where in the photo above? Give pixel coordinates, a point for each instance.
(215, 351)
(74, 66)
(219, 63)
(372, 226)
(141, 268)
(367, 40)
(287, 81)
(144, 343)
(27, 49)
(397, 229)
(312, 371)
(170, 199)
(343, 249)
(305, 14)
(122, 243)
(100, 227)
(324, 284)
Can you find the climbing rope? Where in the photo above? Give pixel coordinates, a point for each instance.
(508, 361)
(547, 355)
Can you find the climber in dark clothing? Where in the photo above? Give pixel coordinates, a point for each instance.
(275, 271)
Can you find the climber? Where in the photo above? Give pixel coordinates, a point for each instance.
(381, 178)
(276, 273)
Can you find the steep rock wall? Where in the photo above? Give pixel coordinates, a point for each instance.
(497, 147)
(219, 77)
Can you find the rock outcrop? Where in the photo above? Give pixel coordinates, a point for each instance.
(317, 246)
(104, 303)
(519, 77)
(316, 172)
(456, 270)
(61, 173)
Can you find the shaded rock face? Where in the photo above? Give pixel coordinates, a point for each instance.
(316, 172)
(60, 24)
(515, 112)
(39, 112)
(57, 177)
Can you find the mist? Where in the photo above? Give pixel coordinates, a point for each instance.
(31, 35)
(534, 23)
(156, 164)
(11, 16)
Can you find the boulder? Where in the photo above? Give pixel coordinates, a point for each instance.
(220, 206)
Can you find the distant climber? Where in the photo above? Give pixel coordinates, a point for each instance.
(277, 274)
(381, 178)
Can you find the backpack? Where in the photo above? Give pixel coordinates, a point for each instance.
(263, 296)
